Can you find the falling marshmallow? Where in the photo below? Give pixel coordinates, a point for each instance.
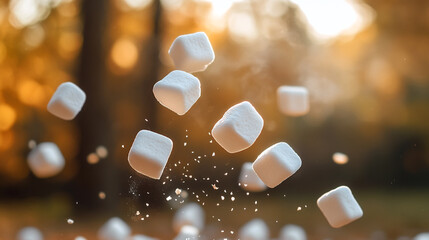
(293, 101)
(177, 91)
(192, 52)
(292, 232)
(79, 238)
(249, 180)
(149, 153)
(29, 233)
(141, 237)
(114, 229)
(276, 164)
(188, 233)
(67, 101)
(422, 236)
(340, 158)
(191, 214)
(339, 207)
(46, 160)
(256, 229)
(239, 127)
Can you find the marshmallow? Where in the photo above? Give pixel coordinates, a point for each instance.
(239, 127)
(254, 230)
(141, 237)
(188, 233)
(422, 236)
(189, 215)
(46, 160)
(29, 233)
(276, 163)
(67, 101)
(177, 91)
(292, 232)
(149, 153)
(339, 207)
(114, 229)
(293, 101)
(248, 179)
(80, 238)
(192, 52)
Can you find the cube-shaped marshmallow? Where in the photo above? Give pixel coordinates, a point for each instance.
(292, 232)
(142, 237)
(188, 233)
(192, 52)
(46, 160)
(177, 91)
(293, 100)
(80, 238)
(422, 236)
(276, 163)
(29, 233)
(149, 153)
(67, 101)
(239, 127)
(192, 214)
(249, 180)
(256, 229)
(339, 207)
(114, 229)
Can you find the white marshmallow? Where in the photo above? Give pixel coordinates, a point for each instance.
(192, 52)
(149, 153)
(177, 91)
(293, 101)
(292, 232)
(67, 101)
(29, 233)
(192, 214)
(141, 237)
(239, 127)
(114, 229)
(339, 207)
(256, 229)
(249, 180)
(188, 233)
(422, 236)
(80, 238)
(46, 160)
(276, 163)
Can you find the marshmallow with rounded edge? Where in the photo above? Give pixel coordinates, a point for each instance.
(29, 233)
(142, 237)
(292, 232)
(339, 207)
(192, 214)
(293, 101)
(114, 229)
(80, 238)
(276, 163)
(177, 91)
(249, 180)
(149, 153)
(422, 236)
(256, 229)
(188, 233)
(192, 52)
(67, 101)
(46, 160)
(239, 127)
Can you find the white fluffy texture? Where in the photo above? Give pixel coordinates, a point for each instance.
(293, 101)
(276, 163)
(249, 180)
(292, 232)
(188, 233)
(29, 233)
(177, 91)
(339, 207)
(149, 153)
(67, 101)
(192, 214)
(46, 160)
(239, 127)
(80, 238)
(114, 229)
(141, 237)
(256, 229)
(192, 52)
(422, 236)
